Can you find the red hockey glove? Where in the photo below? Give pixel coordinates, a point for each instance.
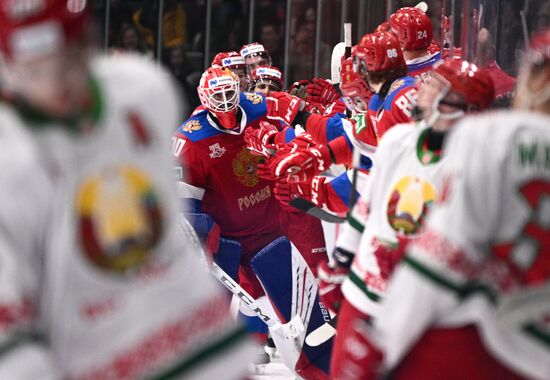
(302, 165)
(330, 285)
(302, 141)
(322, 91)
(261, 140)
(313, 191)
(283, 106)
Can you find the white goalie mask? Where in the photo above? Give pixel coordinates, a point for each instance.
(219, 90)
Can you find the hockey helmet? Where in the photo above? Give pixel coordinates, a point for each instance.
(34, 28)
(353, 86)
(452, 77)
(270, 76)
(230, 59)
(255, 55)
(219, 89)
(377, 52)
(466, 79)
(412, 27)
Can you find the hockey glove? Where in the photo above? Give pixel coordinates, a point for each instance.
(303, 164)
(313, 191)
(330, 285)
(261, 140)
(283, 106)
(299, 89)
(321, 91)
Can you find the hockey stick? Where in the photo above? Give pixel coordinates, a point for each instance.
(315, 211)
(322, 333)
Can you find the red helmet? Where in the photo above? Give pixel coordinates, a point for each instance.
(384, 27)
(270, 75)
(379, 51)
(219, 89)
(351, 83)
(255, 55)
(230, 59)
(30, 28)
(255, 49)
(466, 79)
(539, 48)
(413, 28)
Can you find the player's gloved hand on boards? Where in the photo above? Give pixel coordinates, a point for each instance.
(312, 190)
(331, 278)
(261, 140)
(283, 106)
(302, 164)
(322, 91)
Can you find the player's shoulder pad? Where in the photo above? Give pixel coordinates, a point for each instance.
(197, 127)
(134, 74)
(253, 105)
(397, 88)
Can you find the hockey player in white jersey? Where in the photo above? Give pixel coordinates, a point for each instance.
(96, 279)
(471, 297)
(403, 186)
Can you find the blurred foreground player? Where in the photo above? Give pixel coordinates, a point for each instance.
(402, 189)
(97, 281)
(470, 300)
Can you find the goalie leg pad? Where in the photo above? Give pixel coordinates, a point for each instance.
(228, 256)
(292, 290)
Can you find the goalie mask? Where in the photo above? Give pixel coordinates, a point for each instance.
(219, 92)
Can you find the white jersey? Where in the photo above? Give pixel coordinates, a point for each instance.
(484, 258)
(96, 279)
(402, 188)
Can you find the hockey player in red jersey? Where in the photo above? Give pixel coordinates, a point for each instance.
(413, 28)
(92, 256)
(255, 55)
(266, 79)
(234, 62)
(404, 185)
(478, 277)
(380, 61)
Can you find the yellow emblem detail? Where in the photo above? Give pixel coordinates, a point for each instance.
(398, 83)
(191, 126)
(119, 218)
(408, 204)
(254, 98)
(244, 167)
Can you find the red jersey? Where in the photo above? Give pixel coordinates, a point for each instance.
(396, 107)
(220, 173)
